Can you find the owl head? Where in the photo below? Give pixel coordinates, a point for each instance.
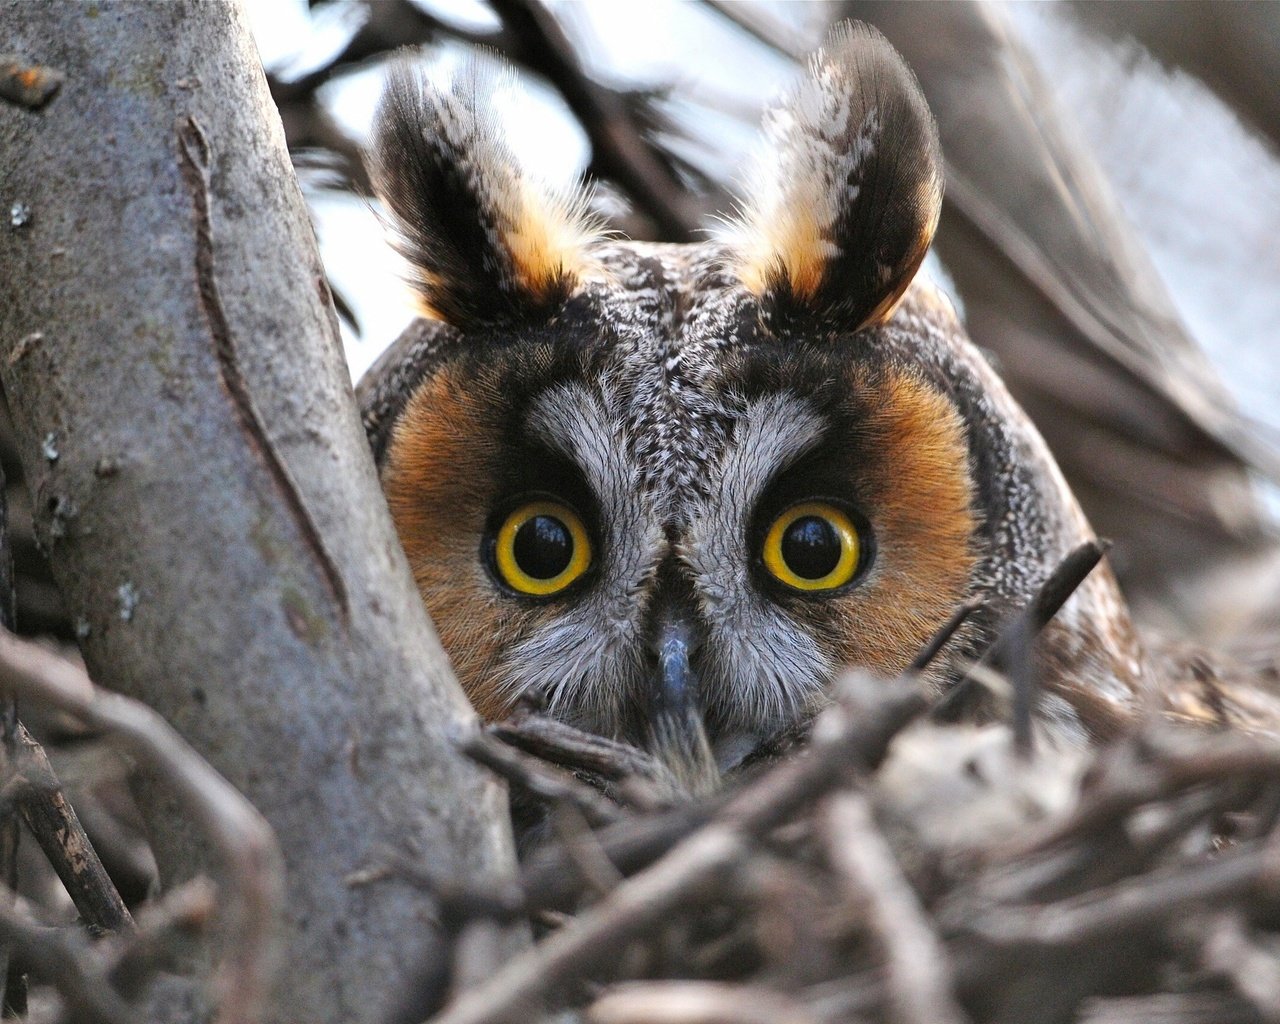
(675, 489)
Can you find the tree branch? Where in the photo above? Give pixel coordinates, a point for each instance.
(242, 838)
(57, 829)
(620, 149)
(205, 492)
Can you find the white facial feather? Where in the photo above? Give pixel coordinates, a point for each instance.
(762, 670)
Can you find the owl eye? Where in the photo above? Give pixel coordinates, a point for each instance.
(541, 548)
(812, 546)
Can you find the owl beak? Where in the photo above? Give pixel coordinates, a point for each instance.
(677, 733)
(677, 685)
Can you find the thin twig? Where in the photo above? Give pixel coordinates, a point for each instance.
(1253, 972)
(631, 845)
(945, 632)
(1154, 766)
(163, 930)
(579, 843)
(917, 974)
(692, 871)
(63, 958)
(1049, 598)
(620, 149)
(1052, 594)
(57, 829)
(635, 844)
(389, 25)
(240, 835)
(457, 903)
(1129, 906)
(850, 737)
(761, 28)
(697, 1002)
(562, 744)
(1020, 669)
(537, 778)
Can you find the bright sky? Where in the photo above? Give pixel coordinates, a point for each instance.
(1141, 120)
(659, 42)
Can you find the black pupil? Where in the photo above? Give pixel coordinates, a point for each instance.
(811, 548)
(543, 547)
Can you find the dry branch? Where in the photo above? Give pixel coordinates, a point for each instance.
(63, 958)
(1018, 635)
(949, 877)
(619, 146)
(242, 838)
(165, 931)
(203, 488)
(539, 779)
(917, 976)
(56, 827)
(850, 738)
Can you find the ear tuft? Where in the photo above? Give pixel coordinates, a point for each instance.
(845, 196)
(486, 244)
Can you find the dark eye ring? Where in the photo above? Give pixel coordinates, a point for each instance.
(541, 548)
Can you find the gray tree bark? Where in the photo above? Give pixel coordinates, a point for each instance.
(203, 487)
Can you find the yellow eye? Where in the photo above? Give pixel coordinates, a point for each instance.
(541, 548)
(812, 546)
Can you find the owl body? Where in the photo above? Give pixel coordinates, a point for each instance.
(676, 489)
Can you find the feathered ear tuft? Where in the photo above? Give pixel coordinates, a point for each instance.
(486, 244)
(845, 197)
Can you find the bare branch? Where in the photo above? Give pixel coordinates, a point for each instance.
(850, 737)
(536, 777)
(1127, 907)
(205, 491)
(387, 26)
(165, 930)
(1254, 972)
(63, 958)
(693, 1002)
(917, 975)
(237, 831)
(562, 744)
(1027, 624)
(933, 647)
(761, 28)
(1151, 766)
(620, 149)
(693, 869)
(57, 829)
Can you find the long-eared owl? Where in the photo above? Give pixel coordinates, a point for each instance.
(676, 488)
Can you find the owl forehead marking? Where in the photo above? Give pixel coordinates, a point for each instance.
(673, 310)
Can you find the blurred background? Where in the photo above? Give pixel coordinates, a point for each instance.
(1109, 235)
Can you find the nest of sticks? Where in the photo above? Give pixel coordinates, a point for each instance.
(898, 867)
(893, 864)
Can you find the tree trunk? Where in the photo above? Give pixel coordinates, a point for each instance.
(203, 487)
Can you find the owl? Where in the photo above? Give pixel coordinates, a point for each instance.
(676, 489)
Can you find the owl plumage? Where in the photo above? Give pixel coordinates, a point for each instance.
(690, 423)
